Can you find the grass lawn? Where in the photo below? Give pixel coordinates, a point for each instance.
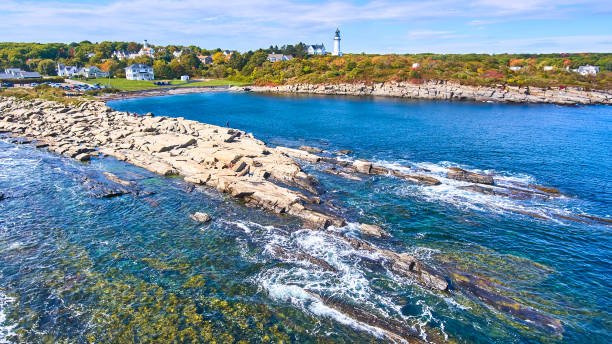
(136, 85)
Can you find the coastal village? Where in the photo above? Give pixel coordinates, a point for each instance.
(191, 65)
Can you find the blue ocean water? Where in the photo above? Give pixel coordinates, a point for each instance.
(83, 269)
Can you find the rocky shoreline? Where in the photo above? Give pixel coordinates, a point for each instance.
(171, 91)
(446, 90)
(236, 163)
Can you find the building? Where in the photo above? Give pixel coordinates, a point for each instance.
(121, 55)
(177, 53)
(588, 70)
(92, 72)
(516, 68)
(139, 71)
(227, 53)
(17, 73)
(145, 51)
(548, 68)
(317, 49)
(279, 57)
(416, 65)
(205, 59)
(68, 71)
(90, 55)
(337, 51)
(184, 77)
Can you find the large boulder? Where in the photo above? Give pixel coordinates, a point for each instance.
(466, 176)
(373, 230)
(200, 217)
(362, 166)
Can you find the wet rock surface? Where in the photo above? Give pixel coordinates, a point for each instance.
(472, 177)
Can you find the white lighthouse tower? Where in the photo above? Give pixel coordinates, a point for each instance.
(337, 51)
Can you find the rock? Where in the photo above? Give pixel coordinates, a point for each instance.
(373, 230)
(2, 197)
(396, 330)
(311, 149)
(200, 178)
(298, 255)
(480, 189)
(200, 217)
(472, 177)
(166, 142)
(362, 166)
(545, 189)
(116, 179)
(83, 157)
(346, 152)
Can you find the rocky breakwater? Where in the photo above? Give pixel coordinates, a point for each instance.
(446, 90)
(227, 159)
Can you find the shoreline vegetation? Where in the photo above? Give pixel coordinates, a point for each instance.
(269, 178)
(547, 71)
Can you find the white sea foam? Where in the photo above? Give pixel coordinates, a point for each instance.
(6, 330)
(351, 283)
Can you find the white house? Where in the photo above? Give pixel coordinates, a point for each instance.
(316, 49)
(139, 71)
(177, 53)
(548, 68)
(17, 73)
(184, 77)
(279, 57)
(337, 51)
(416, 65)
(227, 53)
(588, 70)
(145, 51)
(516, 68)
(93, 72)
(205, 59)
(90, 55)
(68, 71)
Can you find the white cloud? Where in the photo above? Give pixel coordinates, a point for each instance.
(249, 24)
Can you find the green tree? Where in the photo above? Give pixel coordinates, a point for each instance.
(47, 67)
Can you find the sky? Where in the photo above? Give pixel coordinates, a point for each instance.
(370, 26)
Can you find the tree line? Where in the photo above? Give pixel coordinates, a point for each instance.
(252, 66)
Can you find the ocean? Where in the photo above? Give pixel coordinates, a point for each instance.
(75, 268)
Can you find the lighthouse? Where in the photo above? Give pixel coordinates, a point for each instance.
(337, 51)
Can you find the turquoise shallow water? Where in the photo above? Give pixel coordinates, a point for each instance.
(77, 268)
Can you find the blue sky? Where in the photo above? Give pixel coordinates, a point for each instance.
(372, 26)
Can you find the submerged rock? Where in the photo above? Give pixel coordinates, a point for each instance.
(200, 217)
(298, 255)
(313, 150)
(2, 197)
(466, 176)
(396, 330)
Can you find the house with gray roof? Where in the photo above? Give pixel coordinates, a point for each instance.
(316, 49)
(139, 71)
